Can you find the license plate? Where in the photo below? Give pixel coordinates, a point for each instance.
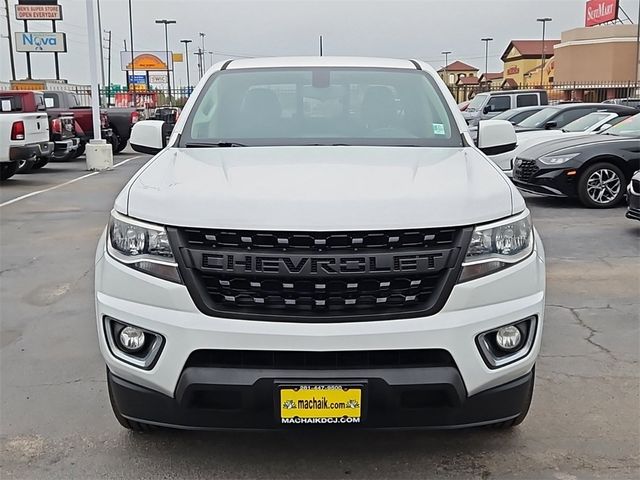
(320, 404)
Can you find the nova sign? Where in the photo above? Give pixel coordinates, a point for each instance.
(41, 42)
(600, 11)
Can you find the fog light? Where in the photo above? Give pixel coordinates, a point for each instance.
(508, 338)
(131, 339)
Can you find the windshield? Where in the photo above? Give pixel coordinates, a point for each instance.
(582, 124)
(505, 115)
(538, 119)
(320, 106)
(477, 102)
(628, 128)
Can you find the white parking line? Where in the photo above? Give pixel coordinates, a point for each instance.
(69, 182)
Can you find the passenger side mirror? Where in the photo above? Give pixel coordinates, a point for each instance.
(550, 125)
(496, 136)
(148, 136)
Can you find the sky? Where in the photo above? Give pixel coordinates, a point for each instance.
(234, 29)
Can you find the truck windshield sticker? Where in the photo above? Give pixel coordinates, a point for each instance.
(438, 129)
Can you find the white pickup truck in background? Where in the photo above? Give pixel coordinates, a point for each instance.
(22, 136)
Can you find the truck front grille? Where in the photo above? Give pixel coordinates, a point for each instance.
(319, 276)
(268, 359)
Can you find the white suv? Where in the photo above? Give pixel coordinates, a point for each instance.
(320, 242)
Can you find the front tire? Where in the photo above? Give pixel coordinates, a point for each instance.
(25, 166)
(41, 162)
(125, 422)
(601, 186)
(7, 170)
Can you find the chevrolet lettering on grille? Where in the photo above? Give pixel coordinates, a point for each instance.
(323, 265)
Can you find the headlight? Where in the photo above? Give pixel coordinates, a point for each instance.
(142, 246)
(557, 159)
(497, 246)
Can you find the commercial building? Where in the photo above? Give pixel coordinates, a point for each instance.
(457, 70)
(597, 63)
(522, 57)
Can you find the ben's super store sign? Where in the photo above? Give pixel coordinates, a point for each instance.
(38, 10)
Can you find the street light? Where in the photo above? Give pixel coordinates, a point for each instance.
(544, 24)
(486, 41)
(446, 62)
(166, 48)
(186, 51)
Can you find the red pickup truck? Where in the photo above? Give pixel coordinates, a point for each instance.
(61, 128)
(120, 120)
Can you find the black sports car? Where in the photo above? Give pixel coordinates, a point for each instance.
(594, 168)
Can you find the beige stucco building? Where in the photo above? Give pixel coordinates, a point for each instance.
(596, 61)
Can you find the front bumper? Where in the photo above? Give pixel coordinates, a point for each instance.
(32, 150)
(633, 211)
(473, 307)
(208, 398)
(548, 182)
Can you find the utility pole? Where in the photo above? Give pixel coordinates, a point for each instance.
(486, 41)
(446, 63)
(320, 45)
(544, 24)
(204, 66)
(210, 58)
(199, 54)
(108, 39)
(13, 63)
(166, 23)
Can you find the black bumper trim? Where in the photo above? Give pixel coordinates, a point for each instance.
(27, 152)
(227, 398)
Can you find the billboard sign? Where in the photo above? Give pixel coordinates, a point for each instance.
(145, 61)
(38, 12)
(600, 11)
(37, 2)
(41, 42)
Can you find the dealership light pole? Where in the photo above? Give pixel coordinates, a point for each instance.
(446, 63)
(544, 24)
(486, 41)
(133, 66)
(166, 48)
(186, 56)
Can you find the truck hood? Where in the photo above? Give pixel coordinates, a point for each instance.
(319, 188)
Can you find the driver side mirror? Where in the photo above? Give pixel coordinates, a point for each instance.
(487, 109)
(496, 136)
(550, 125)
(148, 136)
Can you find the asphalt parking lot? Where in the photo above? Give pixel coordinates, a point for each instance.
(56, 421)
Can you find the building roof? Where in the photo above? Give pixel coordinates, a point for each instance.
(530, 48)
(467, 81)
(458, 66)
(491, 76)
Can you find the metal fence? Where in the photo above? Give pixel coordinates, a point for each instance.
(579, 92)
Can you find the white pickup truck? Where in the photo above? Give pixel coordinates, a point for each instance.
(22, 137)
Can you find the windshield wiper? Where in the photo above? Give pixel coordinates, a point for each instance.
(214, 144)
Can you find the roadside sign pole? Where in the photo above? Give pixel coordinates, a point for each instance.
(55, 55)
(26, 29)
